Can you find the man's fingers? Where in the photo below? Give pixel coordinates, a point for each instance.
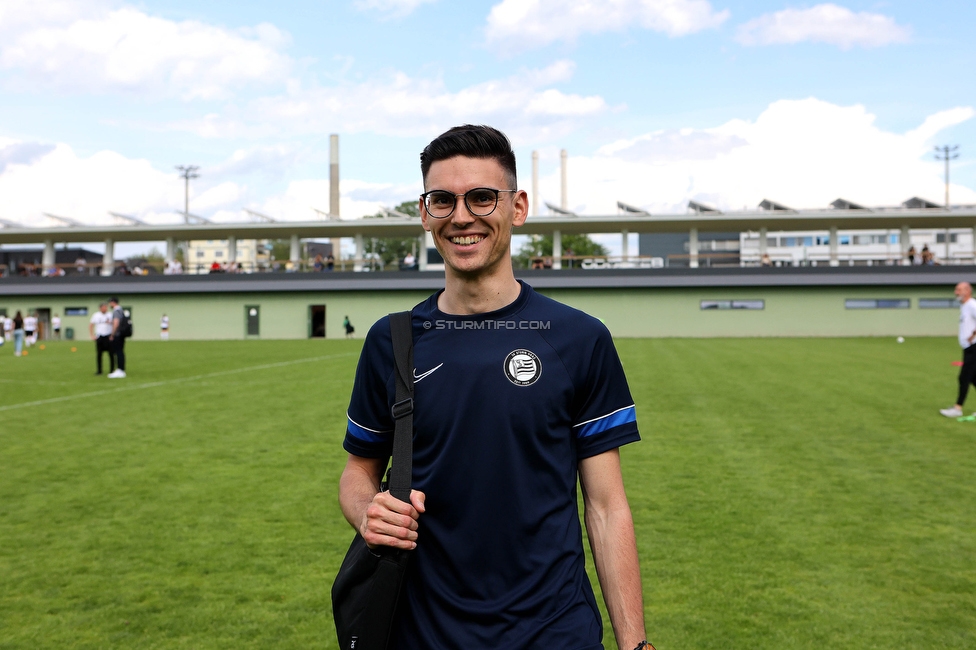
(391, 522)
(418, 500)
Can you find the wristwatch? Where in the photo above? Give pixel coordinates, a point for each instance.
(644, 645)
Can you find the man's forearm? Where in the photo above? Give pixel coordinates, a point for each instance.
(614, 546)
(357, 487)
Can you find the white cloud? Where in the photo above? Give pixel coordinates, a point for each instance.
(532, 23)
(391, 8)
(404, 106)
(85, 189)
(357, 198)
(73, 47)
(802, 153)
(824, 23)
(41, 178)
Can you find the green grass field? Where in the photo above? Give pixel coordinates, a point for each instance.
(787, 494)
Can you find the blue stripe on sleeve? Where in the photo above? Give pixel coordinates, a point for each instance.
(607, 422)
(365, 434)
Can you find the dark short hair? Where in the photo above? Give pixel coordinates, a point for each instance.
(473, 142)
(114, 299)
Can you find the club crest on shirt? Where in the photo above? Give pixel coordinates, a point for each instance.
(523, 367)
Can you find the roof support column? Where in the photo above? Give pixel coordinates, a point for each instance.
(557, 250)
(170, 249)
(833, 246)
(232, 250)
(47, 260)
(357, 263)
(624, 245)
(905, 240)
(693, 248)
(763, 243)
(295, 254)
(425, 242)
(948, 237)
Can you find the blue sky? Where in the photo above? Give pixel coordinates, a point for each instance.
(657, 101)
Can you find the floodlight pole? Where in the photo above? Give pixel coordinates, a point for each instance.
(186, 173)
(947, 153)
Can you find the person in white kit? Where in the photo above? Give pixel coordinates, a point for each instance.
(56, 326)
(30, 329)
(164, 327)
(100, 329)
(8, 328)
(967, 334)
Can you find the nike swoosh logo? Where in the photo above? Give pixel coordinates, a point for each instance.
(417, 378)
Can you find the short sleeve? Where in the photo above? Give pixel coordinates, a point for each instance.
(369, 426)
(606, 417)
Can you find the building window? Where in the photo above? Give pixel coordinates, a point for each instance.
(219, 253)
(894, 239)
(879, 303)
(76, 311)
(845, 240)
(937, 303)
(940, 238)
(733, 304)
(200, 253)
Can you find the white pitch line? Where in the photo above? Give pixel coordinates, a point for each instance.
(181, 380)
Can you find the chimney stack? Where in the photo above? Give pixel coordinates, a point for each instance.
(334, 190)
(535, 183)
(564, 198)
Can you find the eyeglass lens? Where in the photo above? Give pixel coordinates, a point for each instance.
(481, 201)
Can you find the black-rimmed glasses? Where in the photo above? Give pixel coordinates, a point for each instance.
(481, 201)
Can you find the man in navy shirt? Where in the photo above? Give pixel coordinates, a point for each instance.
(516, 398)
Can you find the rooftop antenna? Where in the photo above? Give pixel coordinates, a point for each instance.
(131, 220)
(259, 215)
(66, 221)
(186, 173)
(947, 153)
(557, 210)
(194, 219)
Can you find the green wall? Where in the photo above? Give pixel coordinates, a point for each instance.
(805, 311)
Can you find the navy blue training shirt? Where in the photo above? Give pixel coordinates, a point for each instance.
(506, 404)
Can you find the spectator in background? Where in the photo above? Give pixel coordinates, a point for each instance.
(928, 259)
(319, 263)
(409, 262)
(329, 262)
(912, 253)
(56, 326)
(81, 265)
(164, 327)
(8, 328)
(100, 329)
(18, 333)
(117, 337)
(347, 325)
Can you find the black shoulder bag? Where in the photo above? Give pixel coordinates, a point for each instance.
(367, 588)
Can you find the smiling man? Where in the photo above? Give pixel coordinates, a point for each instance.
(518, 398)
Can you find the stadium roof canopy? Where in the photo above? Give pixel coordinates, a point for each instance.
(396, 226)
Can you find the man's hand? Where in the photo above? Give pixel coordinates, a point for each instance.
(381, 518)
(391, 522)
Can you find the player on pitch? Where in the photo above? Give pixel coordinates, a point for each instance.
(517, 398)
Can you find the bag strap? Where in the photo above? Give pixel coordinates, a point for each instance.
(401, 469)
